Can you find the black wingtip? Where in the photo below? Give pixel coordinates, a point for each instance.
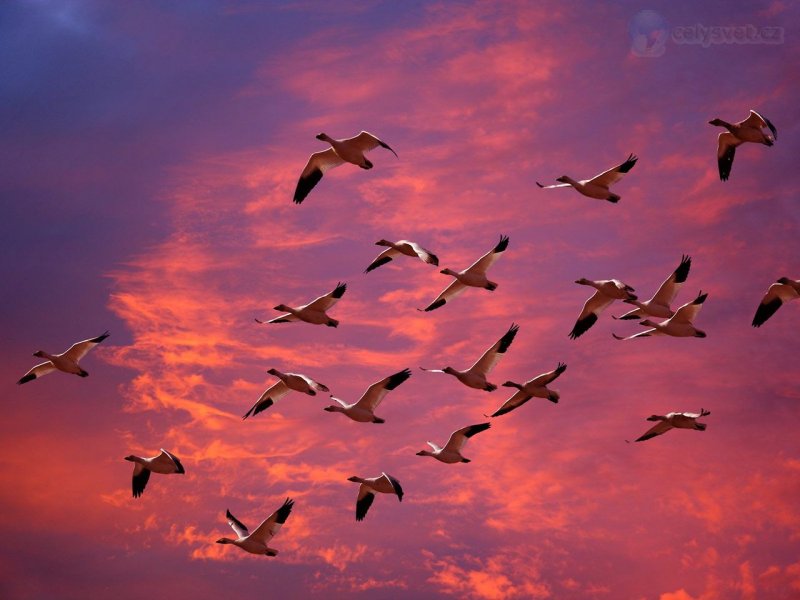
(100, 338)
(27, 378)
(385, 145)
(475, 429)
(502, 244)
(377, 263)
(628, 164)
(305, 185)
(284, 511)
(397, 379)
(433, 306)
(341, 288)
(507, 338)
(539, 184)
(682, 272)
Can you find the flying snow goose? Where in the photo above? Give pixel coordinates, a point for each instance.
(536, 387)
(256, 542)
(341, 151)
(608, 290)
(681, 324)
(674, 420)
(165, 463)
(385, 484)
(288, 381)
(474, 276)
(451, 453)
(475, 376)
(313, 312)
(780, 292)
(659, 304)
(363, 411)
(749, 130)
(597, 186)
(66, 361)
(398, 248)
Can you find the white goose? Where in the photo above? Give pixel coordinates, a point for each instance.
(288, 381)
(66, 361)
(384, 484)
(451, 453)
(313, 312)
(681, 324)
(341, 151)
(597, 186)
(674, 420)
(533, 388)
(749, 130)
(165, 463)
(475, 376)
(608, 290)
(363, 411)
(257, 542)
(659, 304)
(782, 291)
(403, 247)
(473, 276)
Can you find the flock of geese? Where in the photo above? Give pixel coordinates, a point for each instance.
(678, 323)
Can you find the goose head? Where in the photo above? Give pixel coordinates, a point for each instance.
(383, 243)
(583, 281)
(39, 354)
(282, 307)
(564, 179)
(273, 372)
(783, 280)
(224, 541)
(333, 408)
(424, 453)
(131, 458)
(323, 136)
(449, 370)
(355, 479)
(448, 272)
(716, 122)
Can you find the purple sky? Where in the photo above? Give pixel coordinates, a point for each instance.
(147, 164)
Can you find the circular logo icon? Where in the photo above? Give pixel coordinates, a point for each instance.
(649, 33)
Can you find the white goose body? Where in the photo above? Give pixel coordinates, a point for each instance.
(66, 362)
(681, 324)
(257, 541)
(472, 276)
(165, 463)
(363, 411)
(607, 290)
(779, 293)
(659, 305)
(475, 376)
(533, 388)
(674, 420)
(349, 150)
(288, 382)
(451, 453)
(598, 186)
(404, 248)
(749, 130)
(383, 484)
(314, 312)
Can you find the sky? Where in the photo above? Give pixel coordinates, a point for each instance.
(149, 155)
